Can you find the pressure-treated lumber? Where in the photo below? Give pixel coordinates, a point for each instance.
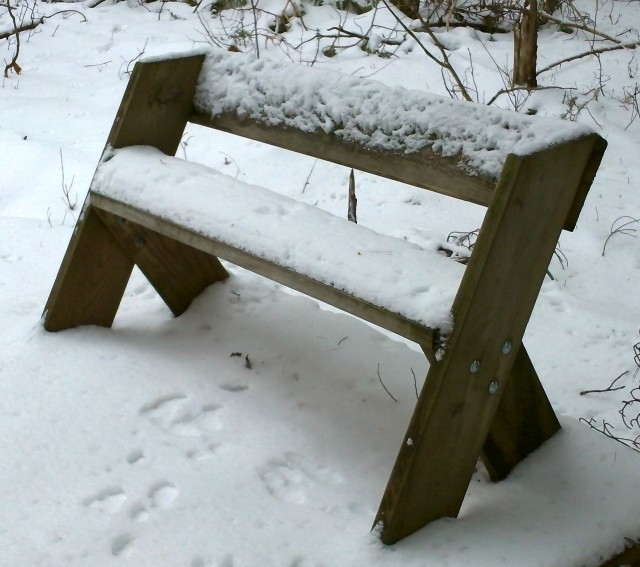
(156, 104)
(96, 268)
(259, 265)
(497, 294)
(524, 420)
(482, 397)
(91, 280)
(422, 169)
(177, 271)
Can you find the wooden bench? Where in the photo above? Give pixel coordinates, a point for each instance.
(482, 397)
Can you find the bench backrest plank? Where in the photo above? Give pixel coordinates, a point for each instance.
(432, 142)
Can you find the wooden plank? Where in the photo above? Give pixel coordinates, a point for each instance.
(462, 392)
(91, 280)
(313, 288)
(178, 272)
(524, 420)
(589, 174)
(95, 269)
(156, 104)
(422, 169)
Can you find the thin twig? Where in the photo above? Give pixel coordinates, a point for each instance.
(385, 388)
(445, 63)
(415, 383)
(528, 89)
(622, 229)
(609, 388)
(309, 176)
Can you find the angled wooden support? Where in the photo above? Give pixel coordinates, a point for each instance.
(523, 421)
(96, 267)
(91, 280)
(178, 272)
(462, 393)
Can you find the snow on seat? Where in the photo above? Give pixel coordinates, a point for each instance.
(393, 274)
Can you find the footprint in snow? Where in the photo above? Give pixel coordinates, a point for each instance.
(108, 500)
(121, 546)
(162, 494)
(175, 414)
(290, 478)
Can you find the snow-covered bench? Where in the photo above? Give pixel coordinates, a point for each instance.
(174, 219)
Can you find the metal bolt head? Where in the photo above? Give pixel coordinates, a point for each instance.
(506, 347)
(139, 241)
(475, 367)
(493, 387)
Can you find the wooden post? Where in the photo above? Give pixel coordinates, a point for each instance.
(154, 111)
(91, 280)
(462, 393)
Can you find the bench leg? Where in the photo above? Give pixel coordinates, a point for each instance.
(178, 272)
(523, 422)
(460, 399)
(91, 280)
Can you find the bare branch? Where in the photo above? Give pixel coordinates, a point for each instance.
(609, 388)
(445, 63)
(619, 46)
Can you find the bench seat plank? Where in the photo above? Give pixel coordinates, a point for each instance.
(261, 230)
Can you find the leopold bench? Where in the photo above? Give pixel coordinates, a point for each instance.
(174, 219)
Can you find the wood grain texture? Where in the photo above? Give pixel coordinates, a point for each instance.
(422, 169)
(91, 280)
(156, 104)
(497, 294)
(178, 272)
(523, 421)
(95, 269)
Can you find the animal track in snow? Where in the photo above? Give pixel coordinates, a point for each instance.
(108, 500)
(121, 545)
(162, 494)
(139, 513)
(135, 456)
(175, 414)
(290, 478)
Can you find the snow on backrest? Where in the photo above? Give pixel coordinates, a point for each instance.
(372, 114)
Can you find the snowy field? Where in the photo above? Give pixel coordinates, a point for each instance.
(253, 430)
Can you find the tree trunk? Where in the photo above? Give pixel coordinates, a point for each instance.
(526, 46)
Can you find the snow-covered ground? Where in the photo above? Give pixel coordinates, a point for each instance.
(253, 430)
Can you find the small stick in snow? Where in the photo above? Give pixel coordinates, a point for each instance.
(609, 388)
(415, 383)
(309, 176)
(353, 202)
(385, 388)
